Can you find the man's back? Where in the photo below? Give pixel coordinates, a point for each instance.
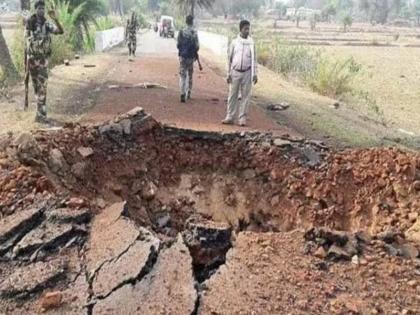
(188, 44)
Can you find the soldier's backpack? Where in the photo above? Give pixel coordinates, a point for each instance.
(39, 42)
(187, 45)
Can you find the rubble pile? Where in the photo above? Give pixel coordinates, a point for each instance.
(339, 245)
(95, 219)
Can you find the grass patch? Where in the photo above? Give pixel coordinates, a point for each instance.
(333, 77)
(322, 73)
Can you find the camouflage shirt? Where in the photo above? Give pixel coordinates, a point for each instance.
(38, 37)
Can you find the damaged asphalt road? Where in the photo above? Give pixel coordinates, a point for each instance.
(132, 217)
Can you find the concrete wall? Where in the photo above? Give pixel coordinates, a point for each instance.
(107, 39)
(218, 44)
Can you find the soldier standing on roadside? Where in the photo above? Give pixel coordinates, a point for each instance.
(38, 49)
(131, 34)
(188, 47)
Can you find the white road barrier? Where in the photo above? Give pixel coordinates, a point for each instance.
(105, 40)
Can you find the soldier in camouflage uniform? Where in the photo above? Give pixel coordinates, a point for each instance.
(38, 49)
(131, 34)
(188, 47)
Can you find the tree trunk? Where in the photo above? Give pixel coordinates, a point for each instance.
(25, 5)
(192, 7)
(6, 62)
(120, 7)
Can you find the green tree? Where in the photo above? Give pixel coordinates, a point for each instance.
(91, 10)
(298, 4)
(189, 6)
(397, 6)
(25, 5)
(246, 7)
(364, 6)
(347, 22)
(417, 11)
(329, 9)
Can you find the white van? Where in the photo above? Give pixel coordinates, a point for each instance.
(166, 27)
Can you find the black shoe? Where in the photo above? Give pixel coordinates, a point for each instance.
(182, 98)
(188, 95)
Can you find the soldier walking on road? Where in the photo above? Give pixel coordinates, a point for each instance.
(188, 47)
(38, 50)
(242, 72)
(131, 34)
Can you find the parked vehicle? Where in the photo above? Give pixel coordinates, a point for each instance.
(166, 26)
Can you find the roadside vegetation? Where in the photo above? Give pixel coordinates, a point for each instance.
(80, 19)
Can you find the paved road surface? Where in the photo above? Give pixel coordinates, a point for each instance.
(157, 62)
(151, 44)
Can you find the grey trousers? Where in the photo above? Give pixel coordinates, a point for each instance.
(186, 70)
(241, 82)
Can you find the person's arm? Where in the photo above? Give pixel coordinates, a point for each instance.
(197, 57)
(255, 78)
(59, 28)
(229, 63)
(178, 42)
(196, 41)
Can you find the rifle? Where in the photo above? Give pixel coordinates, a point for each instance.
(25, 107)
(199, 62)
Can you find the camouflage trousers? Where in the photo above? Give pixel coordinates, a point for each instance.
(132, 44)
(186, 71)
(38, 68)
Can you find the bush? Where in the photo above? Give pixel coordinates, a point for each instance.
(323, 74)
(61, 50)
(333, 77)
(17, 49)
(89, 40)
(347, 21)
(105, 23)
(288, 60)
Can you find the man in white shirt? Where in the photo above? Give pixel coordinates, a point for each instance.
(242, 72)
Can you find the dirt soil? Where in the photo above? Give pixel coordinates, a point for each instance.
(133, 217)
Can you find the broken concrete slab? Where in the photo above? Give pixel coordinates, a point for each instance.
(79, 169)
(129, 266)
(111, 128)
(32, 277)
(312, 156)
(74, 299)
(126, 126)
(14, 227)
(336, 253)
(68, 215)
(56, 161)
(46, 236)
(85, 152)
(208, 241)
(111, 235)
(167, 289)
(282, 143)
(326, 236)
(27, 149)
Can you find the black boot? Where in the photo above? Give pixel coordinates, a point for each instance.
(182, 98)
